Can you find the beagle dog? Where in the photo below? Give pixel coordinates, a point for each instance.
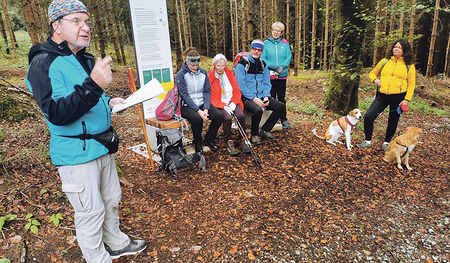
(343, 125)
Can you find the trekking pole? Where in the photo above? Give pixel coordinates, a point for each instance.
(133, 88)
(246, 140)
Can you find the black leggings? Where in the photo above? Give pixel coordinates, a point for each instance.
(197, 123)
(278, 92)
(378, 105)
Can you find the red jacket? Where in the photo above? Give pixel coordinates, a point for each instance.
(216, 91)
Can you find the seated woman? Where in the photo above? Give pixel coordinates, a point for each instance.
(226, 96)
(195, 92)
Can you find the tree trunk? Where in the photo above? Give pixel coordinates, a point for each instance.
(325, 44)
(119, 34)
(177, 39)
(233, 40)
(243, 37)
(206, 28)
(184, 24)
(412, 24)
(178, 16)
(392, 22)
(216, 27)
(297, 37)
(199, 33)
(41, 22)
(112, 29)
(304, 39)
(313, 34)
(286, 34)
(99, 28)
(342, 95)
(188, 23)
(249, 22)
(402, 19)
(12, 37)
(236, 30)
(3, 31)
(31, 25)
(447, 58)
(433, 40)
(377, 33)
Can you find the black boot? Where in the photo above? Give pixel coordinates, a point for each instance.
(212, 146)
(198, 147)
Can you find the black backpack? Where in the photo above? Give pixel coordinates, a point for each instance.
(173, 154)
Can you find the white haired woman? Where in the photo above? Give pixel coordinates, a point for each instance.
(226, 96)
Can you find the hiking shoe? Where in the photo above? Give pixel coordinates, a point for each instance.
(134, 247)
(212, 146)
(285, 124)
(364, 144)
(384, 146)
(244, 147)
(230, 148)
(256, 140)
(267, 135)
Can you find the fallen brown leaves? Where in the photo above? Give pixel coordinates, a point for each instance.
(311, 202)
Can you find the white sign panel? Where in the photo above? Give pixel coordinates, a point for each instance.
(152, 47)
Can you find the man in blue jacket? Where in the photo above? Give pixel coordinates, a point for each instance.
(253, 78)
(68, 86)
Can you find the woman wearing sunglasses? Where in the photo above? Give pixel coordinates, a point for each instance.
(195, 92)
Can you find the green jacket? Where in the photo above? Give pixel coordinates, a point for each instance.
(277, 53)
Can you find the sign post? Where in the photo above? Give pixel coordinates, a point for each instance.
(150, 27)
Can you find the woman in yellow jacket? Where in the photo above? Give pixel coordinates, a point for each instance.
(395, 77)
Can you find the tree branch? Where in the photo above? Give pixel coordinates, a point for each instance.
(17, 87)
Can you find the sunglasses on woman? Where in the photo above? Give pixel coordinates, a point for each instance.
(193, 60)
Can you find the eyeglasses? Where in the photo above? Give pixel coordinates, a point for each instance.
(80, 23)
(193, 60)
(277, 31)
(257, 49)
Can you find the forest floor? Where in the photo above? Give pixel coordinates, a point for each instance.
(311, 202)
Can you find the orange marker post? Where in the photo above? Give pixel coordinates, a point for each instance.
(141, 116)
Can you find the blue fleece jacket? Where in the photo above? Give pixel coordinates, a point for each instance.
(277, 53)
(71, 102)
(254, 82)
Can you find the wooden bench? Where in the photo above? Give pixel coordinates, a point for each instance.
(170, 124)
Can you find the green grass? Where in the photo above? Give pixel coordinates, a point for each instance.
(19, 61)
(308, 75)
(423, 106)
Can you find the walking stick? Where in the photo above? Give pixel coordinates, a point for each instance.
(246, 140)
(141, 116)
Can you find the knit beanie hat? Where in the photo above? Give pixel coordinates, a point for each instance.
(61, 8)
(257, 43)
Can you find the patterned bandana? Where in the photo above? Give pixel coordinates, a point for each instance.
(61, 8)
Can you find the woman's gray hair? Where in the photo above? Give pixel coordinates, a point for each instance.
(217, 58)
(279, 25)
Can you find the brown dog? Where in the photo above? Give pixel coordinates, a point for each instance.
(399, 149)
